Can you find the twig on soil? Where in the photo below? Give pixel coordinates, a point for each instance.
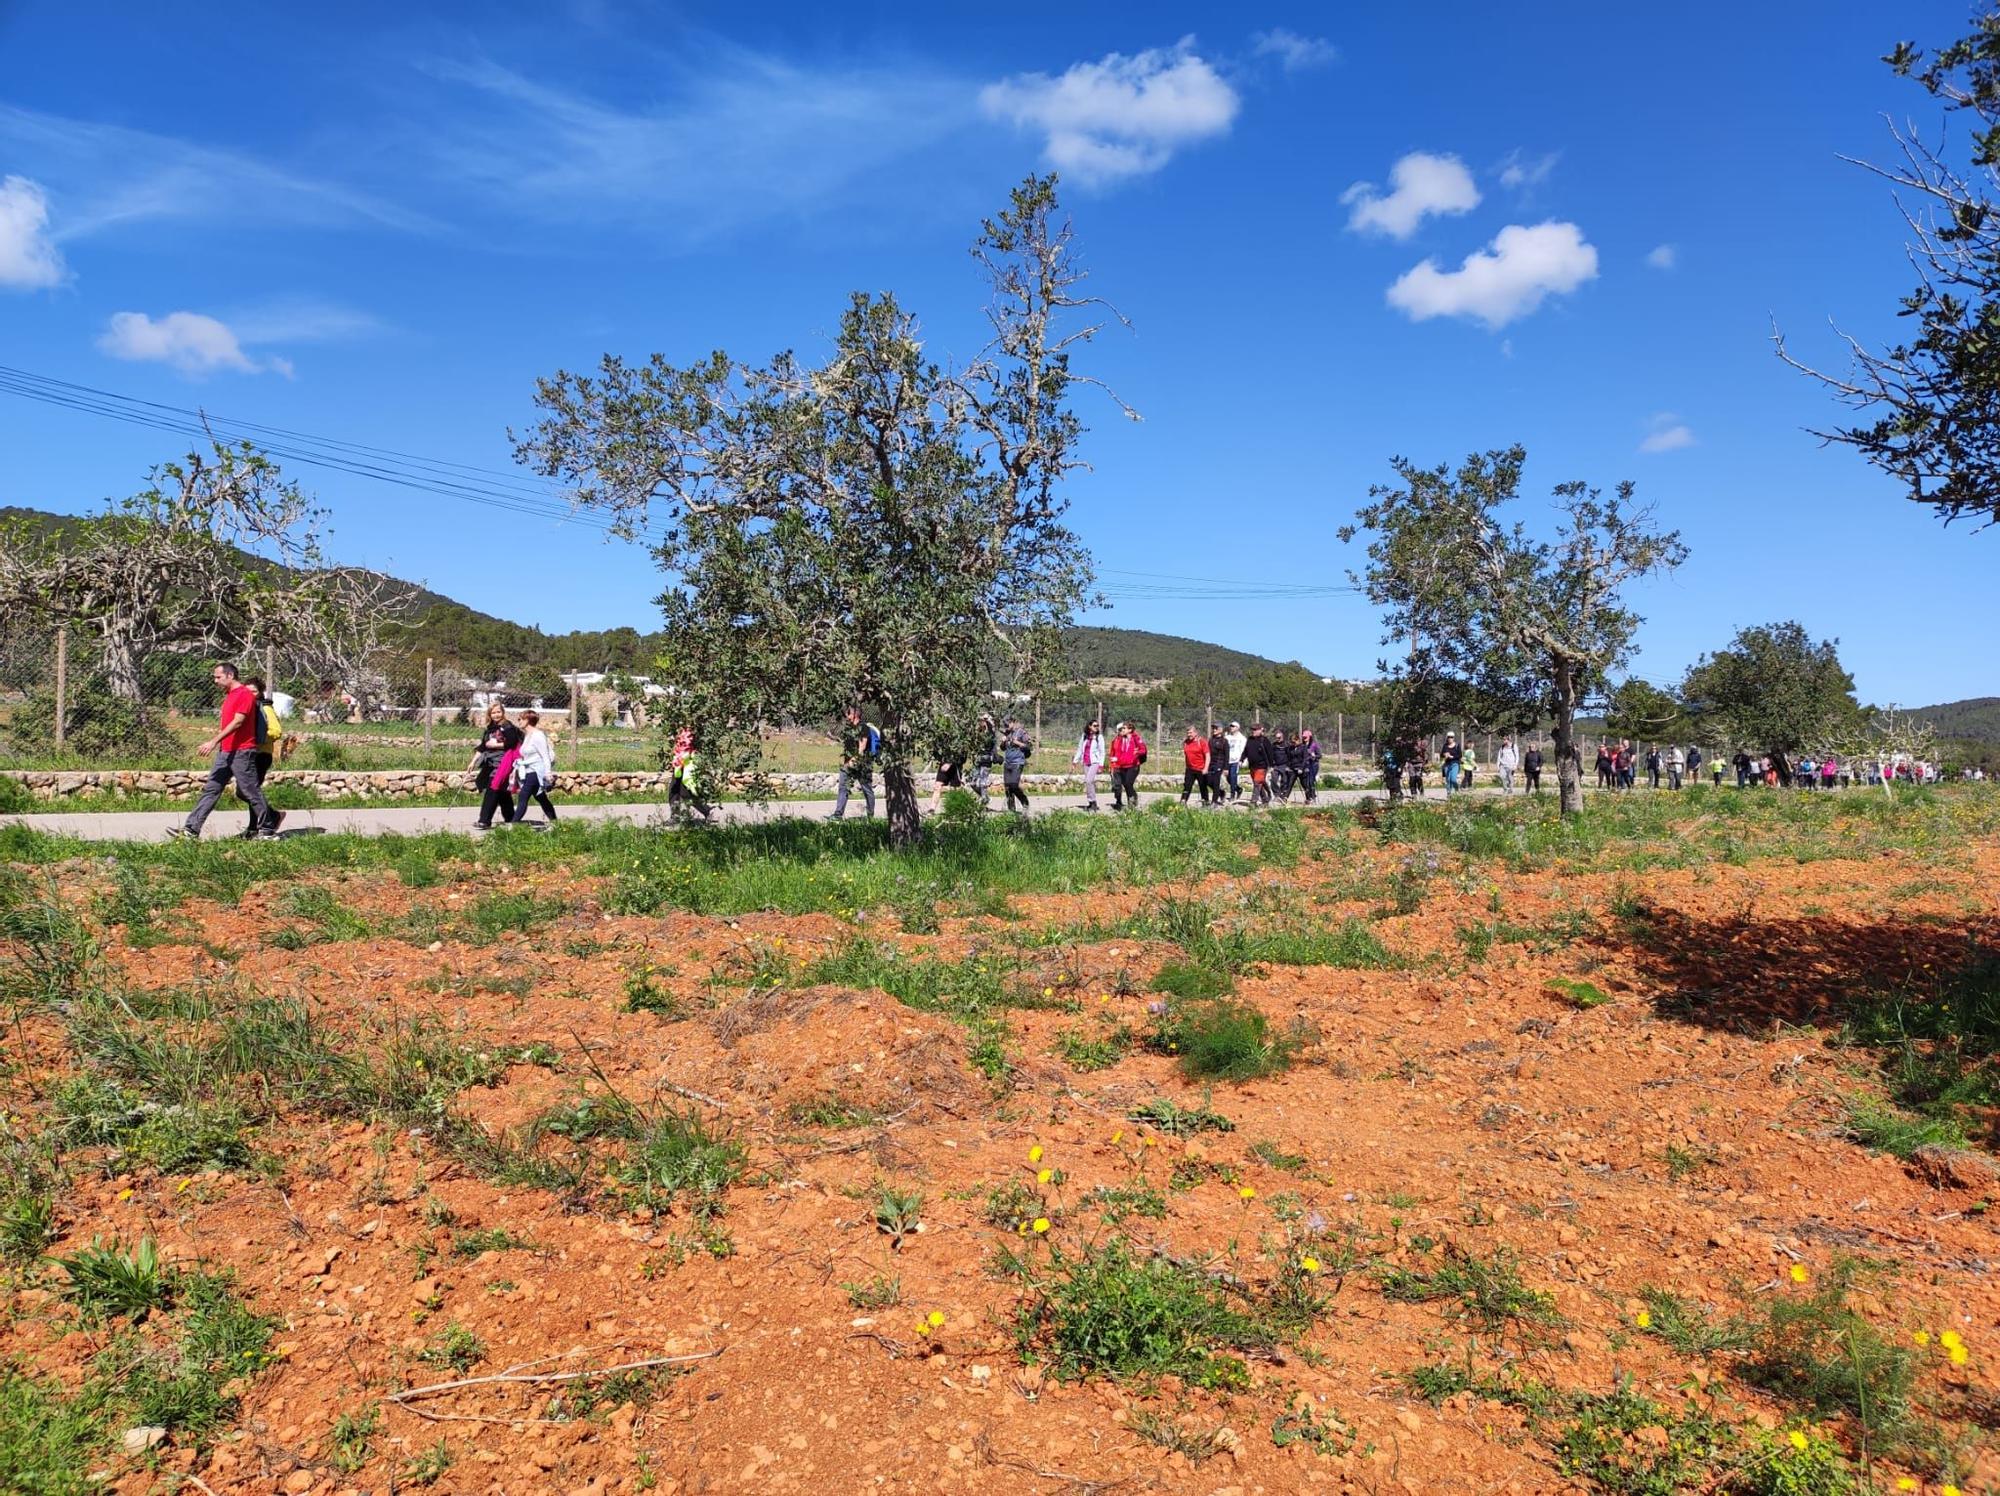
(410, 1394)
(896, 1349)
(692, 1095)
(984, 1446)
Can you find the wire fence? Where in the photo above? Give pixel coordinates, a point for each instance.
(64, 704)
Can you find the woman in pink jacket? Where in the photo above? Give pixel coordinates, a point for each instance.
(1128, 752)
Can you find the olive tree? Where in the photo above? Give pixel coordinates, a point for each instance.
(865, 530)
(218, 555)
(1535, 623)
(1775, 690)
(1926, 406)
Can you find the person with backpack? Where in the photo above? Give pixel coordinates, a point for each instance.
(1089, 756)
(1676, 765)
(536, 769)
(1128, 754)
(1416, 759)
(235, 757)
(985, 756)
(684, 778)
(491, 762)
(1468, 765)
(1307, 755)
(270, 741)
(860, 746)
(1016, 748)
(1194, 756)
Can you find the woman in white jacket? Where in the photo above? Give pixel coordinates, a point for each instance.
(535, 770)
(1090, 755)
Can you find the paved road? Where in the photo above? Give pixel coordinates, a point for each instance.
(409, 820)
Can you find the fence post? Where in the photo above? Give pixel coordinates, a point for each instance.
(575, 721)
(427, 711)
(1210, 710)
(1100, 719)
(1159, 722)
(62, 684)
(1339, 735)
(270, 670)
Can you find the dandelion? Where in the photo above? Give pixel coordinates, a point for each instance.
(1044, 1176)
(1799, 1273)
(1643, 1319)
(922, 1328)
(1922, 1337)
(1048, 992)
(1246, 1193)
(1041, 1225)
(1118, 1136)
(1950, 1341)
(1948, 1491)
(1035, 1154)
(1905, 1483)
(1799, 1440)
(1310, 1264)
(935, 1319)
(124, 1194)
(181, 1188)
(1959, 1355)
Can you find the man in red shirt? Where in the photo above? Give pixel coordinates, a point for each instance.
(235, 748)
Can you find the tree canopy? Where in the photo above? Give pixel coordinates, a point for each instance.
(1775, 690)
(856, 531)
(1930, 405)
(1528, 627)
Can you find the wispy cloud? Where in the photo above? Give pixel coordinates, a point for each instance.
(1422, 185)
(303, 319)
(1668, 434)
(29, 259)
(110, 175)
(188, 341)
(731, 136)
(1520, 171)
(1662, 257)
(1121, 116)
(1295, 53)
(1507, 280)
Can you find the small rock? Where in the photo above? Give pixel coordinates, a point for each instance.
(138, 1440)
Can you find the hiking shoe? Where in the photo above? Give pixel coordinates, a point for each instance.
(181, 833)
(271, 826)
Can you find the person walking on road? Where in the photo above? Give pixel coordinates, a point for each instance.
(985, 755)
(235, 748)
(1089, 756)
(536, 768)
(270, 736)
(1306, 751)
(1128, 753)
(860, 744)
(1676, 765)
(1218, 761)
(491, 763)
(1507, 760)
(1238, 746)
(684, 778)
(1450, 757)
(1532, 765)
(1257, 758)
(1194, 755)
(1016, 748)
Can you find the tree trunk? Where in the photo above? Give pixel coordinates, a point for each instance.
(121, 665)
(899, 791)
(1569, 767)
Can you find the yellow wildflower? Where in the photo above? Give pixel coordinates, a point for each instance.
(1948, 1491)
(1905, 1483)
(1799, 1273)
(1949, 1340)
(1922, 1337)
(1310, 1264)
(1041, 1224)
(1035, 1154)
(1118, 1136)
(1247, 1193)
(935, 1319)
(1799, 1440)
(1045, 1176)
(1643, 1319)
(1958, 1354)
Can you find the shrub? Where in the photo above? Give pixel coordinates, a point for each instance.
(676, 1156)
(1817, 1351)
(1105, 1311)
(1219, 1038)
(102, 1279)
(1178, 1121)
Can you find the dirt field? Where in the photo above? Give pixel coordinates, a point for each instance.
(1439, 1151)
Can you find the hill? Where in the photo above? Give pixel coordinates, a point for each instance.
(486, 646)
(1975, 720)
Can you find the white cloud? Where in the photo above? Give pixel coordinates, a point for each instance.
(1668, 434)
(1121, 117)
(1518, 172)
(1508, 279)
(1421, 184)
(29, 259)
(302, 319)
(1296, 53)
(189, 341)
(1661, 257)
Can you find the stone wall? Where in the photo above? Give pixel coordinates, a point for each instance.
(410, 784)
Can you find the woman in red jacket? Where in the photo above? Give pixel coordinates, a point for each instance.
(1194, 751)
(1128, 751)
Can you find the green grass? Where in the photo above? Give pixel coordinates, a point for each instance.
(454, 1347)
(104, 1279)
(879, 1292)
(678, 1158)
(1689, 1328)
(1485, 1292)
(1178, 1121)
(1219, 1038)
(49, 1439)
(1625, 1443)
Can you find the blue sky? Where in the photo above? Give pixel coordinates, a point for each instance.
(380, 223)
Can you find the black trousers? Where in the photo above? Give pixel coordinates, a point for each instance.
(1534, 781)
(1192, 777)
(531, 789)
(263, 768)
(1014, 790)
(1125, 784)
(496, 798)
